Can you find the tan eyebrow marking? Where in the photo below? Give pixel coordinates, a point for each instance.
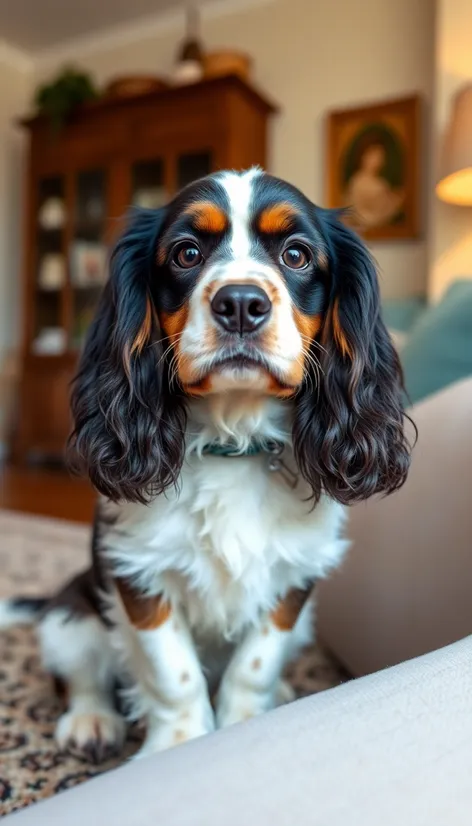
(208, 217)
(277, 218)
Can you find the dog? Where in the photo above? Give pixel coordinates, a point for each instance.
(237, 389)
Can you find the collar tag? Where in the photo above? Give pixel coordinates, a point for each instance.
(277, 465)
(273, 451)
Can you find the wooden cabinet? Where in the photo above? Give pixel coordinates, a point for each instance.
(113, 154)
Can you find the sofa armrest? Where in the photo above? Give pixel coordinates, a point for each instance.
(394, 747)
(406, 585)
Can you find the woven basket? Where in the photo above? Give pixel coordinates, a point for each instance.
(133, 85)
(221, 63)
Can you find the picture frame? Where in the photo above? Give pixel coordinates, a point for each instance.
(373, 167)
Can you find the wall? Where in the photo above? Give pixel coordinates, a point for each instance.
(451, 226)
(309, 56)
(14, 96)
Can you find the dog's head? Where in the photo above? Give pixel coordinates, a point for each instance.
(240, 284)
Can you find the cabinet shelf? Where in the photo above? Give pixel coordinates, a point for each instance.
(89, 227)
(50, 231)
(49, 290)
(88, 288)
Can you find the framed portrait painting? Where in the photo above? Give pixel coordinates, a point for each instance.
(373, 167)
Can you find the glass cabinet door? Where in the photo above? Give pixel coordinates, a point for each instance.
(191, 166)
(49, 335)
(88, 250)
(147, 184)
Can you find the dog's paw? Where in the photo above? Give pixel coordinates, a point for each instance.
(94, 736)
(177, 728)
(285, 693)
(168, 736)
(237, 703)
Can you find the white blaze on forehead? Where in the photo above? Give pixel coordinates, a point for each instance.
(238, 187)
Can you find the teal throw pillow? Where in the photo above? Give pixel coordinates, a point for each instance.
(438, 350)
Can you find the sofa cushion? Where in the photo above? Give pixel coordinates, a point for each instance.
(438, 351)
(393, 748)
(400, 314)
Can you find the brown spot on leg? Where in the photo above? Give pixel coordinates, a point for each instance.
(145, 613)
(277, 218)
(256, 664)
(286, 614)
(179, 736)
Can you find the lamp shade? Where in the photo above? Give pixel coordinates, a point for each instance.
(455, 183)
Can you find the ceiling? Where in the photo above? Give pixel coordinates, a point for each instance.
(34, 25)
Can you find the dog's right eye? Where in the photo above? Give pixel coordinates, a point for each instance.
(187, 256)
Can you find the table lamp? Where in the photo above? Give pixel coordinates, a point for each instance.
(455, 182)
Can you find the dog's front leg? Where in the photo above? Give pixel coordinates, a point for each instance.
(253, 682)
(170, 685)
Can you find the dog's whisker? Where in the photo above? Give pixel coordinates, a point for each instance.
(170, 347)
(313, 342)
(315, 362)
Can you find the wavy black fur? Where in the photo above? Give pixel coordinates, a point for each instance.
(349, 437)
(129, 427)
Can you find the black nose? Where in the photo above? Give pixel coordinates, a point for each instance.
(241, 308)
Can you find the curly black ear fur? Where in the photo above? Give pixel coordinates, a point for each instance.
(349, 437)
(129, 428)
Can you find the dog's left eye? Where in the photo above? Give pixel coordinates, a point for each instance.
(296, 257)
(187, 256)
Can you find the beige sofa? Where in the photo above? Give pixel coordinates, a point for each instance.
(406, 586)
(394, 747)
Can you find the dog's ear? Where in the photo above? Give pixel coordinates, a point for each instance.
(128, 426)
(349, 435)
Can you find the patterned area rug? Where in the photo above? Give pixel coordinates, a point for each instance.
(36, 557)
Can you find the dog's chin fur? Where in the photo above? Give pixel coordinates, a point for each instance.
(239, 418)
(228, 379)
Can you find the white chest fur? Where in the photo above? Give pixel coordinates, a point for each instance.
(228, 543)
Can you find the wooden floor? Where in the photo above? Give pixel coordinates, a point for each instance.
(49, 492)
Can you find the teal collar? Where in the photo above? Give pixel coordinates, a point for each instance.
(228, 449)
(273, 451)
